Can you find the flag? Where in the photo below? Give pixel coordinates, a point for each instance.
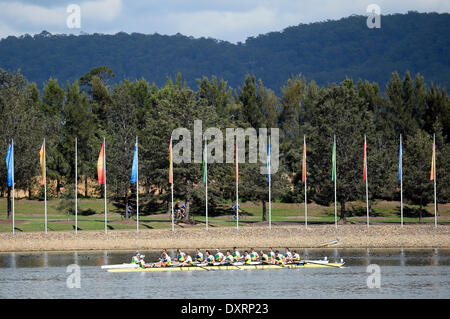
(101, 165)
(9, 165)
(170, 165)
(400, 157)
(365, 160)
(205, 154)
(304, 163)
(333, 160)
(135, 163)
(433, 165)
(236, 160)
(42, 160)
(268, 164)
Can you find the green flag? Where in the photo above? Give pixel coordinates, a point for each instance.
(204, 164)
(333, 172)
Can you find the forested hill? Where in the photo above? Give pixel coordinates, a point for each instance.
(323, 51)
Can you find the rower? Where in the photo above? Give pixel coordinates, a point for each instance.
(166, 261)
(209, 258)
(199, 256)
(181, 256)
(229, 259)
(247, 258)
(278, 258)
(254, 255)
(164, 251)
(187, 261)
(219, 256)
(136, 258)
(142, 262)
(271, 255)
(295, 257)
(264, 258)
(236, 254)
(287, 255)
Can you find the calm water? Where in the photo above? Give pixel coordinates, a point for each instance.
(415, 273)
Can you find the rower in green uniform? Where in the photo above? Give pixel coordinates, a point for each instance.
(271, 255)
(142, 263)
(181, 256)
(287, 256)
(136, 258)
(229, 259)
(247, 258)
(165, 261)
(199, 255)
(254, 255)
(236, 254)
(264, 258)
(279, 259)
(219, 256)
(295, 257)
(187, 262)
(209, 259)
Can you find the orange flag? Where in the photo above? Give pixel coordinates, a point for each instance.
(171, 165)
(42, 159)
(101, 165)
(433, 166)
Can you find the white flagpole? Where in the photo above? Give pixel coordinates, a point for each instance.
(434, 178)
(171, 171)
(76, 185)
(306, 198)
(137, 185)
(401, 181)
(104, 169)
(45, 185)
(367, 185)
(270, 181)
(206, 183)
(13, 193)
(335, 178)
(237, 189)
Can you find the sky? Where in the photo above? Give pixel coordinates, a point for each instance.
(229, 20)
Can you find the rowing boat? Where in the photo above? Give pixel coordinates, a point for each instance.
(234, 266)
(120, 266)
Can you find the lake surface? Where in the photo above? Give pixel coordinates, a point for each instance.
(404, 273)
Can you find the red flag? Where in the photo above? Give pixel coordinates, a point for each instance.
(101, 165)
(365, 160)
(433, 165)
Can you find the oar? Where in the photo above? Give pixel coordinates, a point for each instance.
(201, 266)
(322, 264)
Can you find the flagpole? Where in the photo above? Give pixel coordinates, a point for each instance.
(434, 178)
(137, 185)
(270, 181)
(367, 185)
(12, 149)
(237, 190)
(306, 198)
(45, 185)
(104, 170)
(335, 178)
(76, 185)
(206, 183)
(401, 180)
(171, 179)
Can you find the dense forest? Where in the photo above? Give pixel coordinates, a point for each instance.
(94, 107)
(326, 52)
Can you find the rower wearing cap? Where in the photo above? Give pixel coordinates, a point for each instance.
(271, 255)
(199, 255)
(135, 259)
(229, 259)
(142, 262)
(187, 261)
(279, 259)
(295, 257)
(219, 256)
(236, 254)
(209, 258)
(254, 255)
(264, 257)
(181, 256)
(287, 255)
(247, 258)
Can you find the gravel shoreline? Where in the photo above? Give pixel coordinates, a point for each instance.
(350, 236)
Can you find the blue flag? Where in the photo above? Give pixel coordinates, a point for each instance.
(9, 165)
(268, 164)
(134, 171)
(400, 155)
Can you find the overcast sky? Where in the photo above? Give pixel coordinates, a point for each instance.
(231, 20)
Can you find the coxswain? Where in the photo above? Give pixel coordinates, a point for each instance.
(219, 256)
(236, 254)
(199, 255)
(136, 258)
